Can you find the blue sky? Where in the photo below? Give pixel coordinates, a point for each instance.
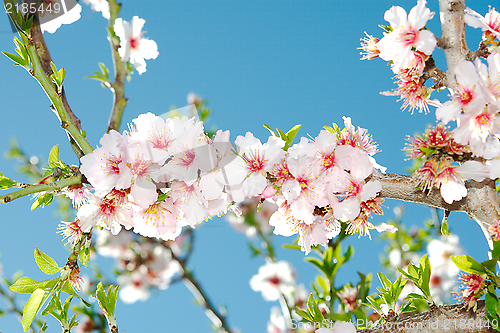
(276, 62)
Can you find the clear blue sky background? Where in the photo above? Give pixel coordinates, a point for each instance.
(276, 62)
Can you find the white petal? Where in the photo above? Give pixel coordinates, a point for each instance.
(453, 191)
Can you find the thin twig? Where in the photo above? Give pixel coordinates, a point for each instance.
(120, 68)
(189, 280)
(32, 189)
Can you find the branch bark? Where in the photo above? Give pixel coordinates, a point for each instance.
(449, 318)
(451, 13)
(482, 202)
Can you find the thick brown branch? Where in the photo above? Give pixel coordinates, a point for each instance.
(482, 202)
(448, 318)
(453, 36)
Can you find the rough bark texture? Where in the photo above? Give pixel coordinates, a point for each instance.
(451, 13)
(448, 318)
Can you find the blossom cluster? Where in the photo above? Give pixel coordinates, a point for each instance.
(471, 151)
(407, 45)
(142, 265)
(165, 174)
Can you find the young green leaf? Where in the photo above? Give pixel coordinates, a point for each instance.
(18, 61)
(5, 182)
(468, 264)
(31, 308)
(270, 130)
(46, 263)
(54, 156)
(28, 286)
(43, 200)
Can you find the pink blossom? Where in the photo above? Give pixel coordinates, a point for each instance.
(274, 280)
(102, 166)
(406, 35)
(490, 22)
(108, 213)
(468, 97)
(133, 46)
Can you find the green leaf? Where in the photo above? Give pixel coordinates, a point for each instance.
(282, 134)
(316, 262)
(407, 307)
(68, 289)
(18, 61)
(31, 308)
(386, 283)
(5, 182)
(425, 275)
(415, 296)
(374, 304)
(468, 264)
(490, 264)
(54, 156)
(43, 200)
(290, 136)
(444, 228)
(304, 315)
(46, 263)
(28, 286)
(61, 74)
(491, 304)
(270, 130)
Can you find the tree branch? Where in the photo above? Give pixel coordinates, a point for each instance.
(482, 202)
(453, 36)
(449, 318)
(215, 316)
(41, 60)
(32, 189)
(120, 68)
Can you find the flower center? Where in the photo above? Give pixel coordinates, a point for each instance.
(134, 43)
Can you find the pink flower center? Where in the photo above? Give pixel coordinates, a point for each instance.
(134, 43)
(328, 160)
(107, 209)
(282, 173)
(466, 95)
(353, 188)
(493, 20)
(408, 36)
(139, 166)
(161, 141)
(255, 162)
(187, 157)
(274, 280)
(112, 165)
(484, 120)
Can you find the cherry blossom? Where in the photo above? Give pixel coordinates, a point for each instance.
(489, 23)
(406, 35)
(274, 280)
(475, 286)
(102, 167)
(468, 97)
(133, 46)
